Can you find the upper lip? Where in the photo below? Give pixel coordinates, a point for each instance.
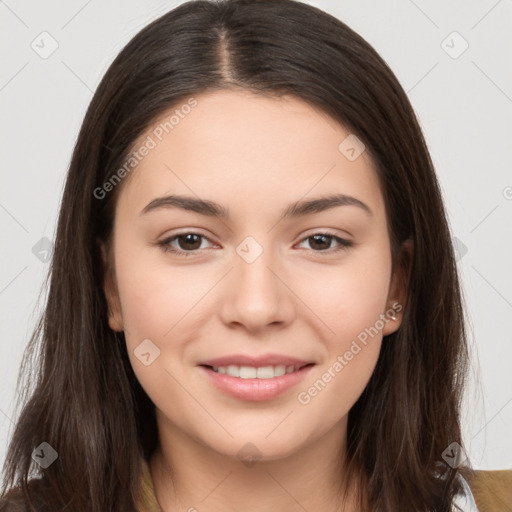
(257, 361)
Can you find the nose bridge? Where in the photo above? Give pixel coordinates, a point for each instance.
(257, 297)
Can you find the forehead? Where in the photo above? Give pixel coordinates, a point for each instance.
(235, 145)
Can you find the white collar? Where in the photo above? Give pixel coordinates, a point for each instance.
(464, 501)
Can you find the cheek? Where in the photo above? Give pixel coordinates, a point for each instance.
(347, 298)
(155, 301)
(153, 296)
(161, 303)
(350, 300)
(335, 388)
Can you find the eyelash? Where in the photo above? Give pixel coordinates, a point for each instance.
(166, 247)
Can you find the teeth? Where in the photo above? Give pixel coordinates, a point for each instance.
(247, 372)
(280, 370)
(233, 370)
(265, 372)
(250, 372)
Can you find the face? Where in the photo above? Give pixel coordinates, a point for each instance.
(216, 304)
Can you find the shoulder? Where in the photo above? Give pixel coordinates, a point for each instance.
(13, 500)
(492, 490)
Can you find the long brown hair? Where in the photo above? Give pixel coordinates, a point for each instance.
(80, 394)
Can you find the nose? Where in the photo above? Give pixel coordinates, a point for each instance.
(256, 295)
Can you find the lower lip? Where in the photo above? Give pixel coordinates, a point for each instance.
(255, 389)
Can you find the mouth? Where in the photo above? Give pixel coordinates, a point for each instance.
(255, 383)
(257, 372)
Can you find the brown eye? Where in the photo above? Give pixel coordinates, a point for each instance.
(183, 244)
(189, 241)
(321, 242)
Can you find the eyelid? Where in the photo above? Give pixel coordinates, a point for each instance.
(189, 231)
(165, 242)
(345, 235)
(342, 243)
(317, 231)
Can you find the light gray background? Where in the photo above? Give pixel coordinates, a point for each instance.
(464, 106)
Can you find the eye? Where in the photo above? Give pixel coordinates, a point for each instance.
(188, 243)
(321, 242)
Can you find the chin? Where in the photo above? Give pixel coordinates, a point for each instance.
(259, 444)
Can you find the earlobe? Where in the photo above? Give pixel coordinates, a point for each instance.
(393, 318)
(114, 323)
(115, 319)
(398, 289)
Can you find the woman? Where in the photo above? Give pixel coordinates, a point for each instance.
(307, 349)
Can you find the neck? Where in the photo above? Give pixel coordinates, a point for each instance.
(188, 475)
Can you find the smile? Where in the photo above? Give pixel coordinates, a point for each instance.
(255, 383)
(251, 372)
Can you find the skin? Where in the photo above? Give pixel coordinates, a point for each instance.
(254, 155)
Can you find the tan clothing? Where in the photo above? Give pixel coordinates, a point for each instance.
(491, 490)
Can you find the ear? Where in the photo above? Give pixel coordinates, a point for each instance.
(115, 318)
(398, 288)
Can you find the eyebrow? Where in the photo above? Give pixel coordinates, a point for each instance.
(213, 209)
